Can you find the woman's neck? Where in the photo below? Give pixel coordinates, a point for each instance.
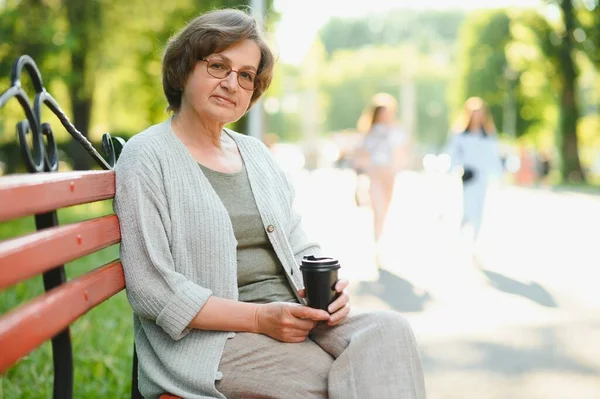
(195, 132)
(475, 127)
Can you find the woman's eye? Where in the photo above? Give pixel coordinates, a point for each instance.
(247, 76)
(218, 66)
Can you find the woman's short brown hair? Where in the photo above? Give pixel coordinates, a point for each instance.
(206, 34)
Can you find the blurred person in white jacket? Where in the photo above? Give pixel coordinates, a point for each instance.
(475, 155)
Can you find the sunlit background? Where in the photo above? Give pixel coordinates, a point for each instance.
(520, 321)
(300, 22)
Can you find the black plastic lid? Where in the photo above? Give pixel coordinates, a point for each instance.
(311, 260)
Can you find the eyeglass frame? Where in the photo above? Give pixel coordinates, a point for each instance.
(256, 80)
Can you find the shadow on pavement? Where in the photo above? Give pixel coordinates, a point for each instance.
(548, 350)
(397, 292)
(532, 291)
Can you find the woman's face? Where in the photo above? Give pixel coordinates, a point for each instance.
(221, 100)
(385, 116)
(476, 119)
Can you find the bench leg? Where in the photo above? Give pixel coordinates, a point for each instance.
(135, 392)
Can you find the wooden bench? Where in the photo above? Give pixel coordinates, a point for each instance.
(40, 194)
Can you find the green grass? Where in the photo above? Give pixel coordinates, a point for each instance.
(102, 339)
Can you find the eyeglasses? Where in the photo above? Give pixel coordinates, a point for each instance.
(220, 70)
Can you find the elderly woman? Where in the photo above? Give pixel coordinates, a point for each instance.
(211, 248)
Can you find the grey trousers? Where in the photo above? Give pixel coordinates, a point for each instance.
(369, 355)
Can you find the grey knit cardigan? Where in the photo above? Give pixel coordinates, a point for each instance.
(178, 248)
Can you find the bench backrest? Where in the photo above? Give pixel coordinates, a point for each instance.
(31, 324)
(40, 194)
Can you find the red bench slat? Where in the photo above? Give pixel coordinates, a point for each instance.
(29, 194)
(27, 256)
(29, 325)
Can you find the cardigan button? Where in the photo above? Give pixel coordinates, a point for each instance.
(218, 376)
(270, 228)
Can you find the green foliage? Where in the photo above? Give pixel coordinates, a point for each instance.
(589, 18)
(351, 78)
(482, 61)
(352, 65)
(281, 103)
(533, 57)
(432, 110)
(520, 60)
(376, 53)
(45, 45)
(426, 30)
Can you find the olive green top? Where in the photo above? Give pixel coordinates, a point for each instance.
(260, 275)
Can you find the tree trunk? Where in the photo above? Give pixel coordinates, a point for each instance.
(569, 113)
(82, 112)
(85, 25)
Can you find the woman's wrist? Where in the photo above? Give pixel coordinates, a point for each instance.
(255, 326)
(221, 314)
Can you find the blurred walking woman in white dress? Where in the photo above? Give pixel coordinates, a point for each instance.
(380, 156)
(475, 154)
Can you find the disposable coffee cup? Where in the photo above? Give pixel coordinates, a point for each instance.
(320, 275)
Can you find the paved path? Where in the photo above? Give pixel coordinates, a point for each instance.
(524, 322)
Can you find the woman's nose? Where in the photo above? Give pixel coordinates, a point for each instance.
(231, 82)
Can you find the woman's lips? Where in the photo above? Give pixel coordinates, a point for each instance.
(224, 100)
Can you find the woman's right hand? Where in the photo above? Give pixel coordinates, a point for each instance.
(287, 322)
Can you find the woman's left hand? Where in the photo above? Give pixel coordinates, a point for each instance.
(339, 308)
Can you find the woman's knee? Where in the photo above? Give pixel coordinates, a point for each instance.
(388, 322)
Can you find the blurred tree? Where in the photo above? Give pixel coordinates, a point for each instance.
(342, 33)
(367, 55)
(282, 103)
(482, 65)
(16, 22)
(350, 78)
(487, 38)
(432, 109)
(588, 14)
(426, 29)
(569, 111)
(533, 59)
(562, 46)
(86, 29)
(44, 44)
